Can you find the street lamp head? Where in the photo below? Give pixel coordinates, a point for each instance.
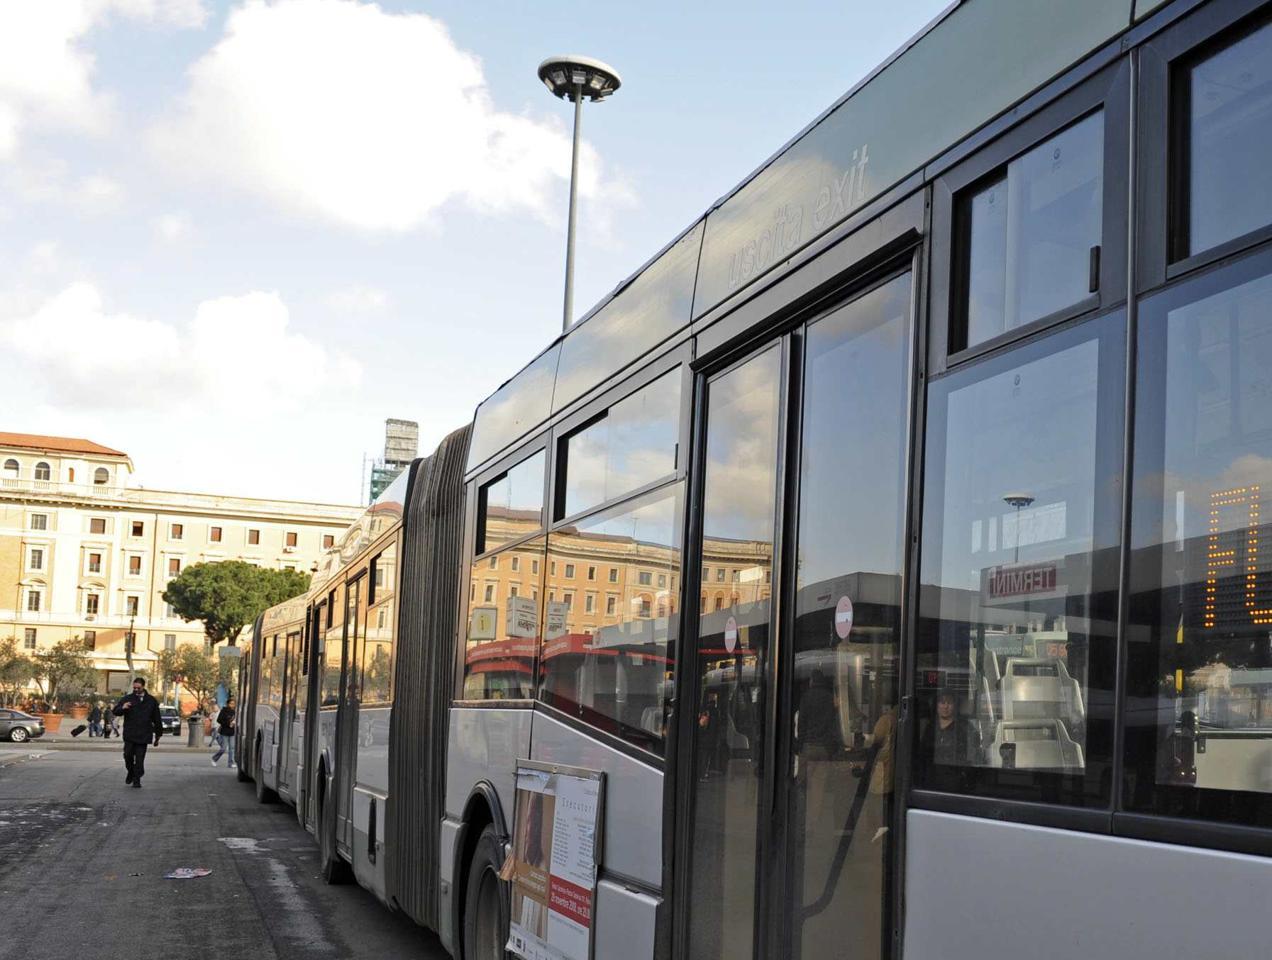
(1018, 500)
(566, 74)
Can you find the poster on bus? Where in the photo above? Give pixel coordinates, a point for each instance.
(552, 868)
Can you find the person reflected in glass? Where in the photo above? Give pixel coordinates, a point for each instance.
(949, 743)
(817, 720)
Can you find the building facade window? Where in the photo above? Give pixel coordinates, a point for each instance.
(174, 566)
(43, 471)
(328, 541)
(516, 564)
(214, 534)
(34, 598)
(589, 603)
(611, 605)
(131, 605)
(11, 469)
(39, 521)
(92, 604)
(170, 641)
(101, 476)
(90, 639)
(28, 638)
(35, 561)
(569, 571)
(291, 538)
(138, 528)
(253, 538)
(176, 531)
(97, 525)
(613, 575)
(490, 592)
(94, 563)
(134, 566)
(646, 578)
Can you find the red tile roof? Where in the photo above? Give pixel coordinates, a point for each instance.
(35, 441)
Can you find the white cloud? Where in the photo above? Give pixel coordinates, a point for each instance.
(359, 300)
(375, 120)
(46, 75)
(233, 357)
(172, 227)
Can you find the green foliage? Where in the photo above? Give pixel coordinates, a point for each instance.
(229, 595)
(198, 670)
(16, 671)
(64, 672)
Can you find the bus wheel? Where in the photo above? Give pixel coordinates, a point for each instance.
(334, 870)
(486, 901)
(263, 793)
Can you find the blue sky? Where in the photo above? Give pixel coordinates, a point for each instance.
(235, 237)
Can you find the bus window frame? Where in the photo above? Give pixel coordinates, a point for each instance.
(539, 441)
(1162, 193)
(1107, 90)
(581, 417)
(538, 444)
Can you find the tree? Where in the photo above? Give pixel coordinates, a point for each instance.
(17, 670)
(199, 670)
(229, 595)
(64, 673)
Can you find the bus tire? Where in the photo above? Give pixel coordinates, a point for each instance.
(486, 905)
(333, 869)
(263, 793)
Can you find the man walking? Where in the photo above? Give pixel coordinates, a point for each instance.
(142, 723)
(95, 721)
(225, 725)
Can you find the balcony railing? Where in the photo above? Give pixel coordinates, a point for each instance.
(20, 484)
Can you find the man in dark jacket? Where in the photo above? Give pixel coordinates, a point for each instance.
(142, 723)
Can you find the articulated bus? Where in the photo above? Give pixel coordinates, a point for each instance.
(892, 541)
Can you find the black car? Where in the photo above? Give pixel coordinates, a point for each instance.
(19, 727)
(171, 721)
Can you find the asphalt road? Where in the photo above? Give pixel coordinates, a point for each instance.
(82, 859)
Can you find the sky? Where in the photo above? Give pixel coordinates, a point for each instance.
(235, 237)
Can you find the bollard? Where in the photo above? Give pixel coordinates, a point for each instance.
(195, 726)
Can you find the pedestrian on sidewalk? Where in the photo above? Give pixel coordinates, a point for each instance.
(224, 726)
(95, 721)
(142, 723)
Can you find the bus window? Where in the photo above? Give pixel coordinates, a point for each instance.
(504, 613)
(1028, 234)
(1019, 570)
(1199, 723)
(610, 663)
(629, 446)
(333, 651)
(1224, 135)
(511, 507)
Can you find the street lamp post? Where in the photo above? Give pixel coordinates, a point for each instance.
(1019, 501)
(573, 78)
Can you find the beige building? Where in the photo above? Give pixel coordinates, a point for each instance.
(85, 553)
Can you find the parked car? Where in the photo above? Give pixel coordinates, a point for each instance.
(19, 727)
(171, 720)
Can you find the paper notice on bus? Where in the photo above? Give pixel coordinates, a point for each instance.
(553, 862)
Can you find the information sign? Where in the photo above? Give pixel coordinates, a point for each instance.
(552, 866)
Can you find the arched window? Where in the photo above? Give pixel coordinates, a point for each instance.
(11, 468)
(101, 476)
(43, 471)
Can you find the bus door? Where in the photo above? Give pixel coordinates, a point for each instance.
(785, 840)
(347, 738)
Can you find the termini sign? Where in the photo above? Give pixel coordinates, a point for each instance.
(1035, 580)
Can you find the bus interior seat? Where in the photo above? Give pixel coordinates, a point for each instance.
(1035, 745)
(1038, 688)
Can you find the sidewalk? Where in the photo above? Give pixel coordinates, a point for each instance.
(62, 740)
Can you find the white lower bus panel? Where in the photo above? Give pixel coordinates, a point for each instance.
(973, 887)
